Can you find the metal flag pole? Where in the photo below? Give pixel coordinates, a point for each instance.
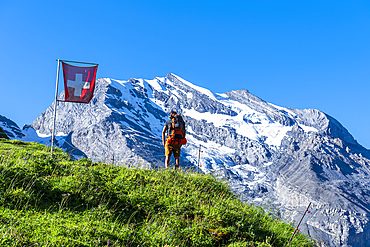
(55, 110)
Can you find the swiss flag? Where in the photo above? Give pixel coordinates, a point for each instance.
(79, 83)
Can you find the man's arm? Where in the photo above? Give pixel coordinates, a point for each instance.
(164, 135)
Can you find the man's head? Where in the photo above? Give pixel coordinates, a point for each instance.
(173, 113)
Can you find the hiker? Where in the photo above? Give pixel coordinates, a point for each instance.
(175, 128)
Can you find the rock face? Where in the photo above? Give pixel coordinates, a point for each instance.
(2, 134)
(10, 128)
(280, 157)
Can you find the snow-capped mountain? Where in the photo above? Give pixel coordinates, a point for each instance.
(281, 157)
(10, 128)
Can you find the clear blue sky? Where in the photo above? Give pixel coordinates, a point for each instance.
(294, 53)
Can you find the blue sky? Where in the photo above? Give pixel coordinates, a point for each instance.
(299, 54)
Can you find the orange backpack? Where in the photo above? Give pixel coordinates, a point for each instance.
(177, 131)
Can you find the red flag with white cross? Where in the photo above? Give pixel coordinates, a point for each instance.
(79, 83)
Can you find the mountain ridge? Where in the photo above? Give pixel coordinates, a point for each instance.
(270, 154)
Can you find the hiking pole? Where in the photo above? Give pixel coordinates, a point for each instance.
(296, 229)
(199, 157)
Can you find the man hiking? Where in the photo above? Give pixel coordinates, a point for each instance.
(175, 128)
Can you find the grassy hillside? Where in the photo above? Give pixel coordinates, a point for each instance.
(45, 202)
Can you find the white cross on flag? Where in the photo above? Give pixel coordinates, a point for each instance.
(79, 83)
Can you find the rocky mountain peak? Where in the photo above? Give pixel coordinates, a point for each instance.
(10, 128)
(281, 156)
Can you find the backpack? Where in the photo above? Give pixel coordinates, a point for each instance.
(177, 131)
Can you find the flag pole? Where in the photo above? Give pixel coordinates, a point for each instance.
(55, 110)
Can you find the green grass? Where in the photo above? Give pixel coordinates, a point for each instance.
(58, 202)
